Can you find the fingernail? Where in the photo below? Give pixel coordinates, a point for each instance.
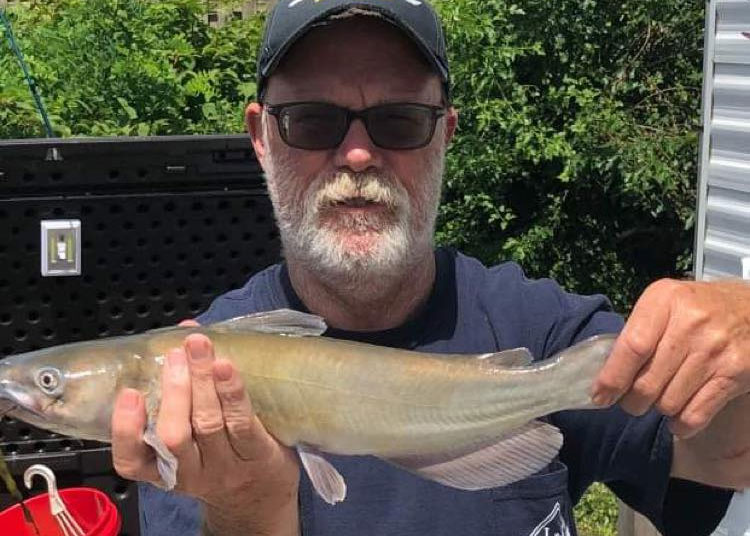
(129, 399)
(197, 351)
(223, 371)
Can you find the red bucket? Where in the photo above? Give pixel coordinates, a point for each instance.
(92, 509)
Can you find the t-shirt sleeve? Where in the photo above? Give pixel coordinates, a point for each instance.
(167, 513)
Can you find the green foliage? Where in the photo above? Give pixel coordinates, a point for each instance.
(577, 148)
(596, 512)
(128, 67)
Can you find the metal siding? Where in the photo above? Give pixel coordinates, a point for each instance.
(723, 231)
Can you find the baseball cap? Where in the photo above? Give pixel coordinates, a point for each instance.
(289, 20)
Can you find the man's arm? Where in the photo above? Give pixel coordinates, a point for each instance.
(720, 454)
(246, 481)
(685, 350)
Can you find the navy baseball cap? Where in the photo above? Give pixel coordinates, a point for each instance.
(289, 20)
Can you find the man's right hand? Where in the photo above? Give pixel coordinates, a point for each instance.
(246, 480)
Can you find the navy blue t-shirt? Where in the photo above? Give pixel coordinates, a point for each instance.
(474, 309)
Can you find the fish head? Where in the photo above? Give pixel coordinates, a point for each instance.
(64, 390)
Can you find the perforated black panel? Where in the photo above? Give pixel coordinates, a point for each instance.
(166, 225)
(147, 261)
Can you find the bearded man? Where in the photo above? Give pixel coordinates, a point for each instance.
(352, 125)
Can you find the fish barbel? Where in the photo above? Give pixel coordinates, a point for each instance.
(467, 421)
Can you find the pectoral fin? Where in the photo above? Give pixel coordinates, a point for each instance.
(166, 462)
(326, 480)
(514, 456)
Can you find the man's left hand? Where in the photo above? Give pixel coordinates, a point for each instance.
(685, 350)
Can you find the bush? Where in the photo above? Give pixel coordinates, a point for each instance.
(577, 152)
(108, 68)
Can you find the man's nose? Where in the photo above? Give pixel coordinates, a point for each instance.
(357, 151)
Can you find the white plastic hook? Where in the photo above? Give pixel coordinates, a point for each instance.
(68, 525)
(43, 471)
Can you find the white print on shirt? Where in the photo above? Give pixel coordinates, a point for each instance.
(412, 2)
(552, 525)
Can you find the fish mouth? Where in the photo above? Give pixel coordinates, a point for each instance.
(13, 397)
(12, 400)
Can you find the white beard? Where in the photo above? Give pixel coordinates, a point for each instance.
(350, 249)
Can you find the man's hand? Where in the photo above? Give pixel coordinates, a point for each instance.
(684, 350)
(247, 481)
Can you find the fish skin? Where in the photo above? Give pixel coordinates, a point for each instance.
(340, 397)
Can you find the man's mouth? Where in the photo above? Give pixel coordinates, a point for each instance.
(355, 203)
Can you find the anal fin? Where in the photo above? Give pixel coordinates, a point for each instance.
(509, 458)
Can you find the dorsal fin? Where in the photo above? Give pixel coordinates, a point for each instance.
(280, 321)
(513, 358)
(164, 329)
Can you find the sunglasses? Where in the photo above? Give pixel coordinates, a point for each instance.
(317, 126)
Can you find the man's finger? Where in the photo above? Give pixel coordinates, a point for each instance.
(131, 457)
(173, 423)
(694, 373)
(207, 417)
(635, 345)
(655, 375)
(703, 407)
(247, 435)
(188, 323)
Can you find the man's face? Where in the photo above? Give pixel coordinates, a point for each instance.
(355, 211)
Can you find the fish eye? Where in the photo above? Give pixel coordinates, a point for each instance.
(48, 380)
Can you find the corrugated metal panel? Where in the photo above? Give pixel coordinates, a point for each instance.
(722, 241)
(723, 230)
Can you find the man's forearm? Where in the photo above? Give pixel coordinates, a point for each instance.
(282, 521)
(719, 455)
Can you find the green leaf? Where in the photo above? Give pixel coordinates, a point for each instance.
(132, 114)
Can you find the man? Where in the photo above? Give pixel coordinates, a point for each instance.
(351, 129)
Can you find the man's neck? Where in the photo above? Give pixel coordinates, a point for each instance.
(370, 306)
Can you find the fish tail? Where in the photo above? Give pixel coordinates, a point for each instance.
(578, 366)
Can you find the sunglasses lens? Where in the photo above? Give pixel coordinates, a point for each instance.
(312, 126)
(401, 126)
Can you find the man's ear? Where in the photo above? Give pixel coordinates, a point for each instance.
(451, 124)
(254, 124)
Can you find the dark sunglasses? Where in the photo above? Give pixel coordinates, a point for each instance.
(317, 126)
